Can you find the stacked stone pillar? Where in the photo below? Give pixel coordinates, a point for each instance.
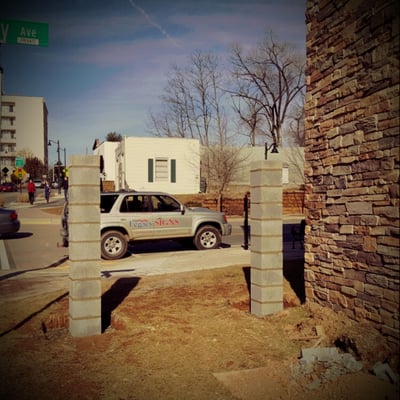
(84, 246)
(266, 237)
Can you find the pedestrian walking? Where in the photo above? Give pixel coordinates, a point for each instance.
(65, 187)
(47, 190)
(31, 191)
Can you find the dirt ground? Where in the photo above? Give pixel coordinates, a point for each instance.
(184, 336)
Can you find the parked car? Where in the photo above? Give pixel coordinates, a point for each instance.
(9, 222)
(38, 183)
(8, 187)
(129, 217)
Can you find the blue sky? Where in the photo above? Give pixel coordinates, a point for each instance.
(107, 61)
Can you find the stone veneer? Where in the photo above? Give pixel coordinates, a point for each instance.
(352, 160)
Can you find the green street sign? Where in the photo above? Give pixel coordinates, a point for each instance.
(24, 32)
(19, 162)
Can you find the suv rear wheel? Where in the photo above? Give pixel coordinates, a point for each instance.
(207, 237)
(113, 245)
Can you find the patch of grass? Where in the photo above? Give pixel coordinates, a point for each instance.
(53, 210)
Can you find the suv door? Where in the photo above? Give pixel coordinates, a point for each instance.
(167, 217)
(134, 210)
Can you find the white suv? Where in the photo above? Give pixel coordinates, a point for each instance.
(38, 183)
(128, 217)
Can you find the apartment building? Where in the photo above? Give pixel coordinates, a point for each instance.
(23, 128)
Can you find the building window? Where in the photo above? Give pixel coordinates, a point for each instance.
(161, 169)
(9, 120)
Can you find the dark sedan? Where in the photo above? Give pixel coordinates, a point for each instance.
(9, 222)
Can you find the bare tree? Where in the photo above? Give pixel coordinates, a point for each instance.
(267, 81)
(193, 107)
(189, 101)
(296, 128)
(25, 153)
(35, 167)
(250, 117)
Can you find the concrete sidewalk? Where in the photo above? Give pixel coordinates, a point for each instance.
(16, 285)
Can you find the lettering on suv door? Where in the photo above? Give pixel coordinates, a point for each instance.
(168, 218)
(135, 208)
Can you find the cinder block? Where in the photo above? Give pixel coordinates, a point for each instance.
(266, 277)
(266, 260)
(265, 211)
(267, 227)
(269, 177)
(84, 269)
(79, 251)
(265, 194)
(79, 162)
(86, 327)
(85, 289)
(325, 354)
(80, 176)
(83, 232)
(266, 243)
(84, 308)
(267, 293)
(261, 309)
(84, 212)
(383, 371)
(84, 194)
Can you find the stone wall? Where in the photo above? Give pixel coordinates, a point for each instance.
(293, 202)
(352, 159)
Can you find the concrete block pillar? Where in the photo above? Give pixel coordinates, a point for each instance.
(84, 246)
(266, 237)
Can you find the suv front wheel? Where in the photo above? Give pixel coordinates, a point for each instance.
(207, 237)
(113, 245)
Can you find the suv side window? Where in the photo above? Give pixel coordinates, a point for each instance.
(162, 203)
(107, 201)
(134, 203)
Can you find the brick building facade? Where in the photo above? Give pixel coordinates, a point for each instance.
(352, 159)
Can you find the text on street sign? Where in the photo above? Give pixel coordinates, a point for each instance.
(24, 32)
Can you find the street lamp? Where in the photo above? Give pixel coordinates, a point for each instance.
(58, 160)
(274, 150)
